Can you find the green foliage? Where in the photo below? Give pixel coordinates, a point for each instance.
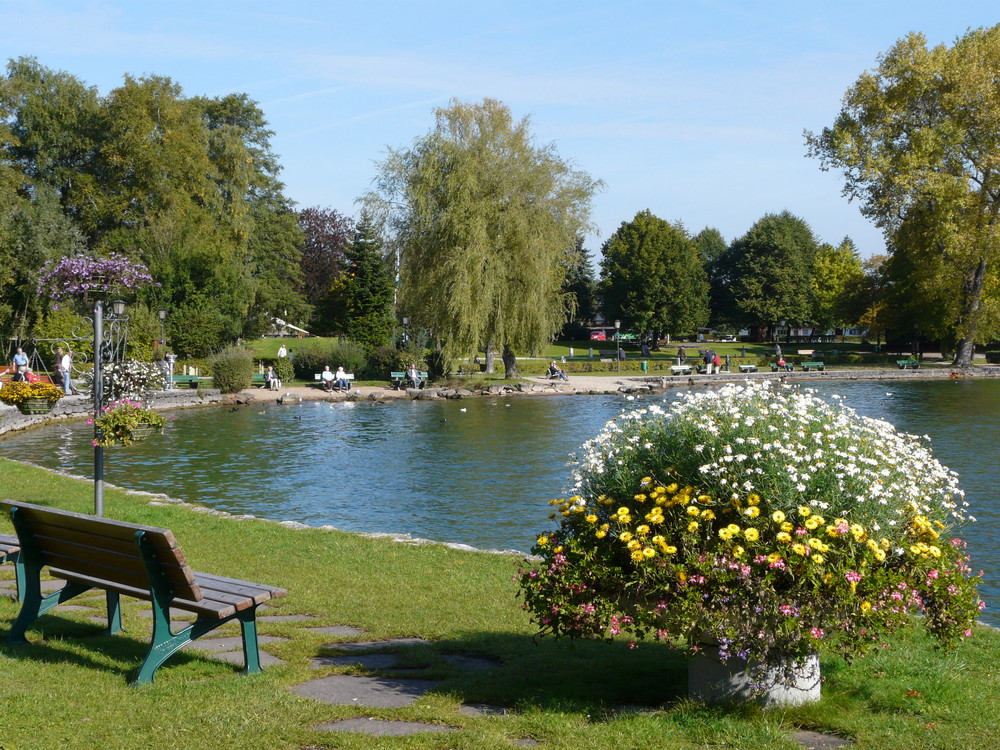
(232, 370)
(120, 422)
(652, 277)
(369, 289)
(346, 354)
(196, 329)
(384, 360)
(482, 216)
(837, 277)
(768, 273)
(918, 141)
(579, 286)
(326, 237)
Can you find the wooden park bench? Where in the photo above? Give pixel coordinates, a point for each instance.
(399, 380)
(192, 381)
(913, 364)
(787, 367)
(121, 558)
(748, 368)
(806, 366)
(9, 552)
(680, 369)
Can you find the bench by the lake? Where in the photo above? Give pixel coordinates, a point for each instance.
(787, 367)
(259, 379)
(399, 379)
(748, 368)
(348, 376)
(806, 366)
(192, 381)
(913, 364)
(680, 369)
(132, 560)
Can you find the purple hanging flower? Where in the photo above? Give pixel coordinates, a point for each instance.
(81, 275)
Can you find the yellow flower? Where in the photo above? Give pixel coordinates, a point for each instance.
(692, 510)
(753, 511)
(706, 499)
(778, 516)
(799, 549)
(725, 534)
(637, 556)
(600, 534)
(558, 549)
(640, 498)
(828, 578)
(670, 549)
(634, 544)
(646, 481)
(681, 576)
(642, 530)
(804, 511)
(738, 551)
(774, 557)
(692, 527)
(625, 536)
(751, 534)
(787, 526)
(935, 552)
(707, 514)
(879, 555)
(818, 559)
(866, 606)
(784, 537)
(542, 540)
(733, 528)
(753, 499)
(648, 552)
(591, 518)
(672, 487)
(812, 523)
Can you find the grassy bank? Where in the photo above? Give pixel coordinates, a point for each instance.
(68, 688)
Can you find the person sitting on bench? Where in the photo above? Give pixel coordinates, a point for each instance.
(327, 378)
(555, 372)
(271, 379)
(340, 380)
(783, 365)
(413, 375)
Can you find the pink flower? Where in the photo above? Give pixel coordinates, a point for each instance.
(816, 633)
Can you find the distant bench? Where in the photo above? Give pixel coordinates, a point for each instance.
(913, 364)
(193, 381)
(399, 379)
(748, 368)
(680, 369)
(132, 560)
(787, 367)
(806, 366)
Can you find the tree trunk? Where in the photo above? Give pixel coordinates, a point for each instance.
(972, 289)
(491, 356)
(510, 364)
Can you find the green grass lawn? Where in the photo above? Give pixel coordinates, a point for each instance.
(67, 689)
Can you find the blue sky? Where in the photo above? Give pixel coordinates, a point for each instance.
(694, 110)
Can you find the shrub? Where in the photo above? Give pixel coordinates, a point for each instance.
(232, 370)
(382, 361)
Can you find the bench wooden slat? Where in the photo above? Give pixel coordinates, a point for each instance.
(8, 546)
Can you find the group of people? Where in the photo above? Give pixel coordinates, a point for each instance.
(556, 372)
(335, 381)
(22, 372)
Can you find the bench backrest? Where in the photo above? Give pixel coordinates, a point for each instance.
(100, 548)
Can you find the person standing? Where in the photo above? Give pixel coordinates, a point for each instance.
(709, 360)
(66, 369)
(20, 361)
(282, 351)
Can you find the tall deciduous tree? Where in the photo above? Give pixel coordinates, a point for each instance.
(837, 274)
(918, 140)
(652, 277)
(768, 272)
(483, 215)
(327, 236)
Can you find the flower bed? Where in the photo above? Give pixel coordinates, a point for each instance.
(759, 518)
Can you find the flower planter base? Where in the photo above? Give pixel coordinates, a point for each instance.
(143, 431)
(35, 406)
(712, 681)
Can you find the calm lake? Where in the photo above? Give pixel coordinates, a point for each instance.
(477, 471)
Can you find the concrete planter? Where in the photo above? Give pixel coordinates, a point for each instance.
(712, 681)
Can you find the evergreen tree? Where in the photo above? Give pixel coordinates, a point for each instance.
(579, 286)
(369, 289)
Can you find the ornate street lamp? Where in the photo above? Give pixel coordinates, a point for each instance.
(162, 315)
(107, 350)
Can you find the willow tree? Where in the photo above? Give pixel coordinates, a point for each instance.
(918, 140)
(482, 217)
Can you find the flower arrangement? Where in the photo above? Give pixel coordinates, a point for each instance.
(759, 519)
(121, 422)
(80, 275)
(132, 379)
(18, 393)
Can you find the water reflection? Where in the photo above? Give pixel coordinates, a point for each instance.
(477, 472)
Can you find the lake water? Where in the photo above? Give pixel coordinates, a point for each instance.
(477, 471)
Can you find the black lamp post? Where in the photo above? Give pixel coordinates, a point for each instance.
(104, 352)
(162, 315)
(618, 346)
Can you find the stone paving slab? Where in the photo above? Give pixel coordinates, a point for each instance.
(380, 727)
(285, 618)
(365, 661)
(229, 643)
(372, 692)
(377, 645)
(817, 741)
(236, 657)
(72, 608)
(341, 631)
(481, 709)
(9, 593)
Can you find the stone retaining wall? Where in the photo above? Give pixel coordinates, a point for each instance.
(80, 407)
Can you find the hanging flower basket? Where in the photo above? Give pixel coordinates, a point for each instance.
(124, 422)
(31, 398)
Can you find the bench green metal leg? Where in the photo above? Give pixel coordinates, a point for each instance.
(34, 605)
(251, 648)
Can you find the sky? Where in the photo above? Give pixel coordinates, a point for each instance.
(694, 110)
